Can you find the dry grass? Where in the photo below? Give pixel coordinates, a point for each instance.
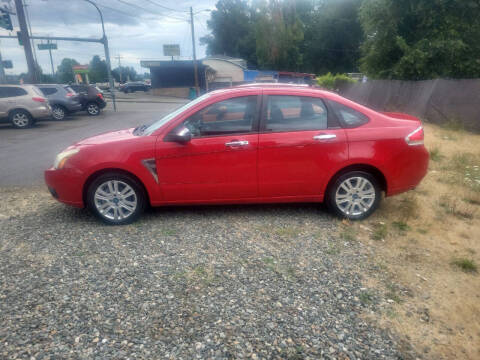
(431, 247)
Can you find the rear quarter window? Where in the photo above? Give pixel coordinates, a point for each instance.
(348, 117)
(13, 92)
(48, 91)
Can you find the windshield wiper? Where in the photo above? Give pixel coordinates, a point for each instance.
(139, 129)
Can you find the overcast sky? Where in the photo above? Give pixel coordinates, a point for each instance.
(135, 32)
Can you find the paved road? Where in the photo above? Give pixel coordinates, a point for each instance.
(25, 154)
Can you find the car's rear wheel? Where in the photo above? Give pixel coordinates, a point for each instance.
(116, 198)
(354, 195)
(93, 109)
(21, 119)
(58, 112)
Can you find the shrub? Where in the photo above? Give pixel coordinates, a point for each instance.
(333, 82)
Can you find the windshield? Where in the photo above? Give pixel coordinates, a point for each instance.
(157, 124)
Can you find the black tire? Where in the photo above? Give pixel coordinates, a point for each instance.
(92, 109)
(59, 112)
(361, 208)
(100, 182)
(21, 119)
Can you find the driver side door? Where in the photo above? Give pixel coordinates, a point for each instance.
(220, 162)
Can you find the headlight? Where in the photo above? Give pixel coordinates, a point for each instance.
(62, 158)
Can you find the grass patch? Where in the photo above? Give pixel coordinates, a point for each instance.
(289, 232)
(366, 297)
(453, 125)
(333, 249)
(435, 154)
(455, 208)
(380, 232)
(422, 231)
(466, 265)
(348, 234)
(401, 226)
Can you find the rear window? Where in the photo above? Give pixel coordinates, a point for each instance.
(48, 91)
(11, 91)
(347, 116)
(69, 89)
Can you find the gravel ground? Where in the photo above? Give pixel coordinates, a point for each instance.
(183, 283)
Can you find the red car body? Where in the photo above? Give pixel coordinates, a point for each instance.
(284, 166)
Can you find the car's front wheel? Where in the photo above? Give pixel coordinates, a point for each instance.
(58, 112)
(116, 198)
(93, 109)
(354, 195)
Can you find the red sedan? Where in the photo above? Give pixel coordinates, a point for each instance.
(258, 144)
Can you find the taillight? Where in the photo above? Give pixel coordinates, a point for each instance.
(415, 137)
(100, 95)
(69, 94)
(39, 99)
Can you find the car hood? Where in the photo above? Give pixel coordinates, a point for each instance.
(108, 137)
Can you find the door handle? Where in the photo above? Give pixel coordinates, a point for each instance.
(236, 143)
(324, 137)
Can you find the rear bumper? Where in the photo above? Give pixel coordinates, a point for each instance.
(410, 169)
(41, 112)
(65, 185)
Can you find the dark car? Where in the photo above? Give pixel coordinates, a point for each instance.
(134, 86)
(90, 97)
(63, 99)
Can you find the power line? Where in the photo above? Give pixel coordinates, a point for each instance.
(165, 7)
(148, 11)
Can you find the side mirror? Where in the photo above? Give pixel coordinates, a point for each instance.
(181, 135)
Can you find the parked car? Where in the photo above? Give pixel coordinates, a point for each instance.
(62, 98)
(91, 98)
(247, 145)
(23, 105)
(130, 87)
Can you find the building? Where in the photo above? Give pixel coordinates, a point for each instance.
(228, 71)
(176, 78)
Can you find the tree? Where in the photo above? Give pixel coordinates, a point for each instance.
(421, 39)
(128, 73)
(233, 30)
(65, 71)
(279, 34)
(333, 36)
(98, 70)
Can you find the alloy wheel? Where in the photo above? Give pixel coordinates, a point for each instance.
(115, 200)
(93, 109)
(58, 113)
(355, 196)
(20, 119)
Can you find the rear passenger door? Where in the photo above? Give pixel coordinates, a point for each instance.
(300, 142)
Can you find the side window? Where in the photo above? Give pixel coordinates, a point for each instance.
(349, 117)
(3, 92)
(48, 91)
(14, 91)
(295, 113)
(232, 116)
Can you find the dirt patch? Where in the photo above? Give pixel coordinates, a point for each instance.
(426, 251)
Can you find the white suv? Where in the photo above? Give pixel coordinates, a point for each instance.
(22, 105)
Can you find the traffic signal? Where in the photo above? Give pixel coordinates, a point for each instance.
(5, 20)
(19, 38)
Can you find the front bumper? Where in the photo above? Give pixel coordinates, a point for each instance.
(66, 185)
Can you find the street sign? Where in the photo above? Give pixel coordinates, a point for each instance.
(47, 46)
(80, 69)
(7, 64)
(171, 50)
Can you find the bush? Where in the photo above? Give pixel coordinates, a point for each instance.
(334, 82)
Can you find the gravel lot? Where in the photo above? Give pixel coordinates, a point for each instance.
(183, 283)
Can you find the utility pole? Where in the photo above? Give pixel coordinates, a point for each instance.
(2, 71)
(195, 69)
(51, 59)
(118, 57)
(25, 37)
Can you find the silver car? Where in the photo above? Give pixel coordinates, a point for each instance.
(22, 105)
